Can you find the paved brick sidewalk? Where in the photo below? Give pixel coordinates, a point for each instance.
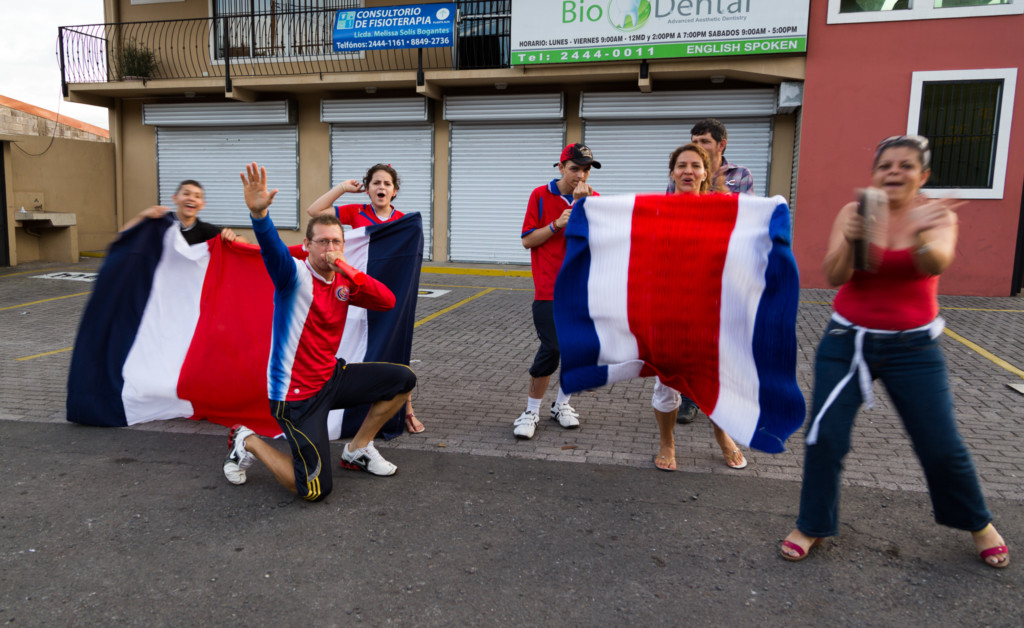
(471, 359)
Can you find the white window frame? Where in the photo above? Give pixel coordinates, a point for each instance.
(1002, 148)
(921, 10)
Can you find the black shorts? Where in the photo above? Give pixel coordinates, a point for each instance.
(546, 360)
(304, 423)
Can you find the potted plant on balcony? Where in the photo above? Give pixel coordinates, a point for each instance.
(137, 62)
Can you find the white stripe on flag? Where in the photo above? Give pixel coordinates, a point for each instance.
(165, 333)
(354, 338)
(608, 284)
(743, 283)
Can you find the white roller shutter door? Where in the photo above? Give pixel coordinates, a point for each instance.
(215, 156)
(409, 148)
(634, 153)
(494, 167)
(633, 134)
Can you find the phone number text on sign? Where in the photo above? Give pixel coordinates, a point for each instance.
(662, 51)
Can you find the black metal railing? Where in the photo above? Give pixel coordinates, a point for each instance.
(269, 44)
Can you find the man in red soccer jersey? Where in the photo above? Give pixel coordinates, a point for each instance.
(547, 213)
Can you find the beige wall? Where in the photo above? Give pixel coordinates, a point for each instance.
(70, 176)
(780, 179)
(138, 160)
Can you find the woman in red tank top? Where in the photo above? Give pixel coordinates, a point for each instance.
(885, 326)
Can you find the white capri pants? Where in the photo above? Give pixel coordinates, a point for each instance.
(665, 399)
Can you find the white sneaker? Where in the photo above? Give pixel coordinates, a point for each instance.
(566, 415)
(366, 459)
(525, 425)
(238, 459)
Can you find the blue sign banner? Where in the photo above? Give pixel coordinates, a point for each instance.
(379, 28)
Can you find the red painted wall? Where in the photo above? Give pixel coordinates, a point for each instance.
(857, 92)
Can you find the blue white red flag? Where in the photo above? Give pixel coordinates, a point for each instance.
(173, 330)
(699, 290)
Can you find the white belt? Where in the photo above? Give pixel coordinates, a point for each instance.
(859, 366)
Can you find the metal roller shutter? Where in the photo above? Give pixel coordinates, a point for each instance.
(494, 167)
(408, 148)
(634, 153)
(218, 113)
(215, 156)
(720, 103)
(796, 163)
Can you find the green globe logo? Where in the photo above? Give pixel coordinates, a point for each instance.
(628, 15)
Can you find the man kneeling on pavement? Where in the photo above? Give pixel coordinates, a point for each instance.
(305, 379)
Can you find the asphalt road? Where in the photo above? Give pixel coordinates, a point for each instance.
(136, 528)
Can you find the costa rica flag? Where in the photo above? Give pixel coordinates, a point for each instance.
(701, 291)
(173, 330)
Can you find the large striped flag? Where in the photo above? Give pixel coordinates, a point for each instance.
(699, 290)
(173, 330)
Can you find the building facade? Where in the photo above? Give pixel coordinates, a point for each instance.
(945, 70)
(56, 185)
(199, 88)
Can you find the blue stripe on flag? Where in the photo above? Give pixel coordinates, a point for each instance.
(774, 342)
(577, 334)
(110, 322)
(394, 258)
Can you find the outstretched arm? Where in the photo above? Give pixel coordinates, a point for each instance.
(325, 203)
(156, 211)
(254, 188)
(847, 229)
(935, 229)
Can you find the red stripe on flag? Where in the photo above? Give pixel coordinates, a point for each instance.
(225, 371)
(679, 333)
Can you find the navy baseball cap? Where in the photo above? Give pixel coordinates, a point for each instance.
(580, 154)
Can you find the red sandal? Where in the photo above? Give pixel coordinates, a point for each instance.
(410, 424)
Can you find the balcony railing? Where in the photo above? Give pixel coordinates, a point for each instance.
(268, 44)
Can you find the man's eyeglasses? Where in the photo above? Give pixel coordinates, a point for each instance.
(325, 242)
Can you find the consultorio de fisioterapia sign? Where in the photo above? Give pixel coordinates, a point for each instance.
(411, 26)
(576, 31)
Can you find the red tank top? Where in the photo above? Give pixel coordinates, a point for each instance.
(897, 296)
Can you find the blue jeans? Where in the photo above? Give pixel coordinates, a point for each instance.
(911, 366)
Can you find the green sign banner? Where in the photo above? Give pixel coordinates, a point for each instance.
(579, 31)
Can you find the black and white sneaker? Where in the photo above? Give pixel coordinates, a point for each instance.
(238, 459)
(565, 414)
(366, 459)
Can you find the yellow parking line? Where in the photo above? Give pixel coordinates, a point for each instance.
(452, 307)
(444, 285)
(42, 355)
(980, 309)
(985, 354)
(66, 296)
(953, 309)
(484, 272)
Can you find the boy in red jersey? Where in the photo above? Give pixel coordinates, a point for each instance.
(547, 213)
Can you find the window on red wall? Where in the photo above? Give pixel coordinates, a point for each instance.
(961, 120)
(850, 11)
(966, 115)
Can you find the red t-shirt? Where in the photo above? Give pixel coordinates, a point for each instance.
(546, 204)
(895, 297)
(357, 215)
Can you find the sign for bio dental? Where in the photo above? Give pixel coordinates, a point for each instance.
(576, 31)
(378, 28)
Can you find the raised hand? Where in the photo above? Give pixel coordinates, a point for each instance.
(582, 190)
(563, 220)
(934, 213)
(351, 186)
(254, 188)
